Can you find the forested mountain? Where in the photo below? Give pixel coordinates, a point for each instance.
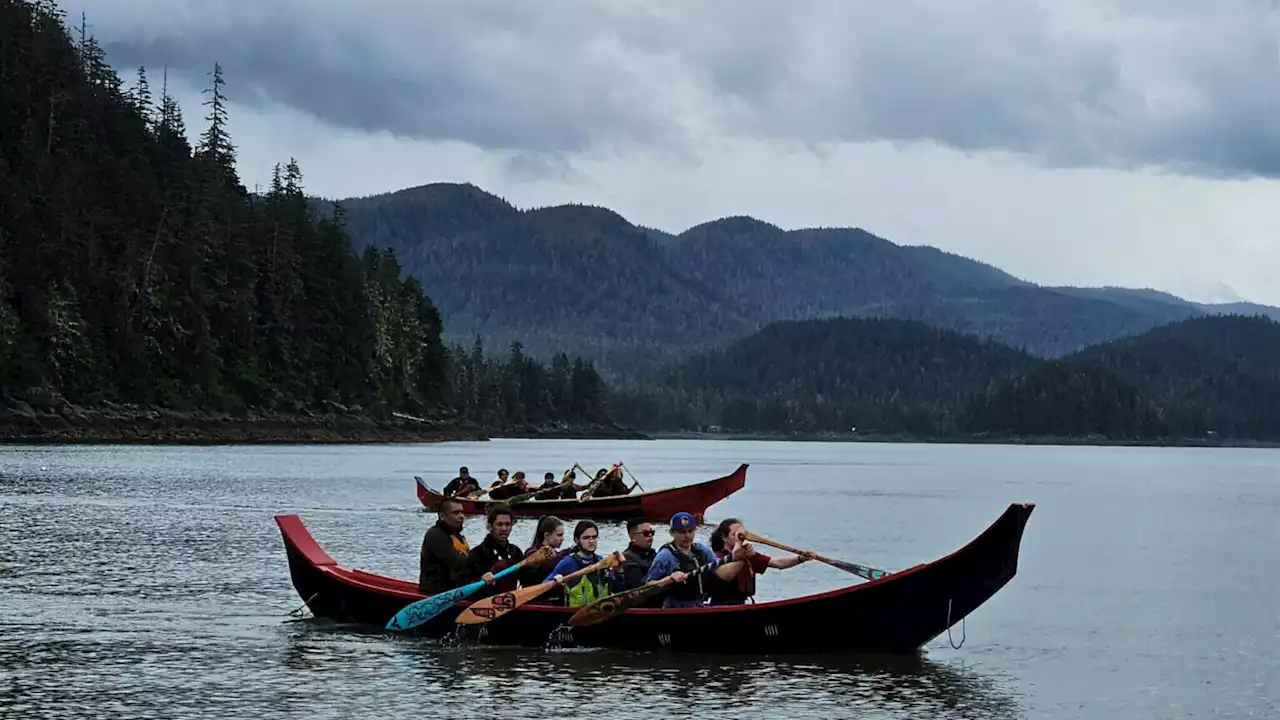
(135, 268)
(585, 279)
(1207, 376)
(878, 375)
(572, 276)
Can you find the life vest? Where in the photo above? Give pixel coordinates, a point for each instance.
(590, 587)
(690, 589)
(732, 592)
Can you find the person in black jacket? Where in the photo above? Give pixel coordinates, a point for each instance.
(493, 555)
(638, 556)
(444, 550)
(464, 484)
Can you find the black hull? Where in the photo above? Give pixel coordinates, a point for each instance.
(896, 614)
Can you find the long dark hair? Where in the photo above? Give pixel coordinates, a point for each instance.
(546, 524)
(721, 532)
(581, 527)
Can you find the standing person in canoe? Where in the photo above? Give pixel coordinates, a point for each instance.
(638, 556)
(679, 558)
(549, 533)
(494, 554)
(740, 586)
(462, 485)
(444, 551)
(593, 586)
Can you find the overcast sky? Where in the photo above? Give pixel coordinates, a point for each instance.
(1091, 142)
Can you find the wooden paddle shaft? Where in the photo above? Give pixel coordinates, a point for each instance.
(772, 543)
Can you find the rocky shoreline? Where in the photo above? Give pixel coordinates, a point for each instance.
(60, 422)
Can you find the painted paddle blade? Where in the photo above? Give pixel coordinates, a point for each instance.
(856, 569)
(496, 606)
(613, 605)
(419, 612)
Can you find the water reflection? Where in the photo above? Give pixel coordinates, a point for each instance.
(633, 685)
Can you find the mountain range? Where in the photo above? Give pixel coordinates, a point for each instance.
(583, 279)
(1194, 379)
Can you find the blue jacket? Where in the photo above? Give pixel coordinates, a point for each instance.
(690, 592)
(586, 589)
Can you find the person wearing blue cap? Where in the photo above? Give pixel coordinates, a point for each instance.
(679, 558)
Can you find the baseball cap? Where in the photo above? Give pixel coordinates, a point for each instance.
(683, 521)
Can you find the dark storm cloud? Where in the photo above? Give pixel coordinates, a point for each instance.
(1191, 86)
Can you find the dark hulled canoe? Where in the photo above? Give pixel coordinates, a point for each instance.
(897, 613)
(654, 505)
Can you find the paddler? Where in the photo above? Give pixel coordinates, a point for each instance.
(494, 554)
(741, 583)
(510, 488)
(638, 556)
(444, 551)
(593, 586)
(612, 484)
(678, 559)
(462, 485)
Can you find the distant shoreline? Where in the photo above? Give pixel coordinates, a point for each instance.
(66, 424)
(1094, 441)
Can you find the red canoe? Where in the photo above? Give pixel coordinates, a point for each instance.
(654, 505)
(897, 613)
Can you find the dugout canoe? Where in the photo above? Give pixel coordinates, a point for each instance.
(654, 505)
(898, 613)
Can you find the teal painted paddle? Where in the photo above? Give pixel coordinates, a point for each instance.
(421, 611)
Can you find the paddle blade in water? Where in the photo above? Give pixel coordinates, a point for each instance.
(419, 612)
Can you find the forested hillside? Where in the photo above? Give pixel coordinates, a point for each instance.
(585, 279)
(1200, 378)
(135, 270)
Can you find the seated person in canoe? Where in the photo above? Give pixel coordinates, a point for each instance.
(592, 586)
(741, 584)
(444, 550)
(493, 555)
(569, 491)
(463, 485)
(679, 558)
(503, 489)
(638, 556)
(549, 533)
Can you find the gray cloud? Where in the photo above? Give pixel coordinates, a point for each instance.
(1188, 85)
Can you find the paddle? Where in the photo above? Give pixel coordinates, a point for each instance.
(420, 611)
(613, 605)
(596, 483)
(633, 477)
(490, 608)
(859, 570)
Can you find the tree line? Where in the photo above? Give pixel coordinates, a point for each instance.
(135, 267)
(1203, 377)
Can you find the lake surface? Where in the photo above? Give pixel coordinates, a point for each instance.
(151, 582)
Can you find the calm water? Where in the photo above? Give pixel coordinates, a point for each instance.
(151, 582)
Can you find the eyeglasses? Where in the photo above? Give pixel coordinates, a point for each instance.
(645, 533)
(588, 537)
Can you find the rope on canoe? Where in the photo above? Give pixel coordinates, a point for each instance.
(963, 632)
(298, 610)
